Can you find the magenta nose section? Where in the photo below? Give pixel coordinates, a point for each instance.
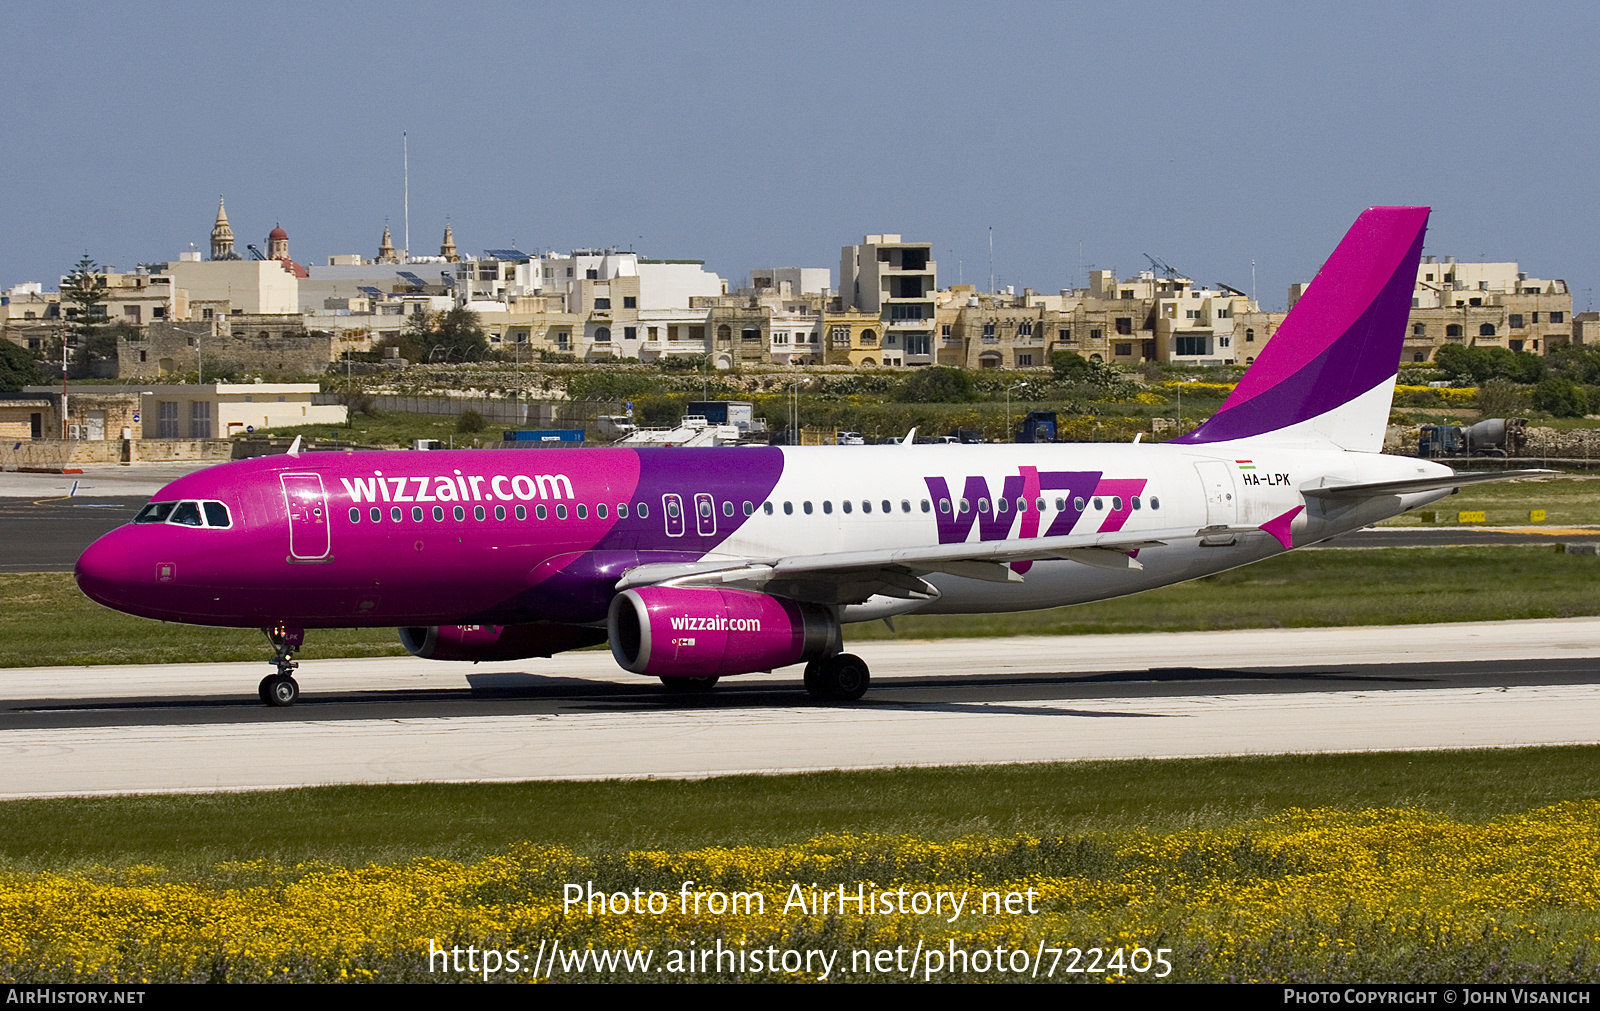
(103, 571)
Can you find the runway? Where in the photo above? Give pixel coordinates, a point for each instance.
(72, 731)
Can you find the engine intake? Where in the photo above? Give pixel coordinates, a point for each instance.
(496, 642)
(670, 631)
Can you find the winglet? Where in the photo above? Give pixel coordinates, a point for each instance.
(911, 437)
(1278, 526)
(294, 447)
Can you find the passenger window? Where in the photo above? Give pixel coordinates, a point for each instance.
(925, 505)
(622, 510)
(583, 512)
(983, 505)
(788, 508)
(705, 505)
(1061, 504)
(217, 515)
(1136, 502)
(155, 512)
(642, 510)
(1155, 503)
(522, 512)
(807, 507)
(1078, 505)
(966, 506)
(600, 510)
(395, 513)
(866, 506)
(461, 513)
(561, 512)
(1040, 505)
(672, 507)
(766, 507)
(416, 514)
(540, 512)
(438, 514)
(478, 513)
(727, 508)
(827, 506)
(1116, 503)
(355, 515)
(674, 518)
(1002, 505)
(944, 505)
(888, 508)
(845, 503)
(749, 509)
(376, 514)
(1099, 504)
(1022, 505)
(499, 512)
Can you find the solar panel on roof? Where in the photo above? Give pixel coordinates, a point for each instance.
(370, 290)
(409, 276)
(506, 254)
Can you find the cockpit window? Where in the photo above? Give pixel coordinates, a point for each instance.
(188, 514)
(155, 512)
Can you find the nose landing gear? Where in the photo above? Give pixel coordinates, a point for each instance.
(281, 689)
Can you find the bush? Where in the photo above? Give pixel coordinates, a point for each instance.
(470, 421)
(936, 385)
(1560, 398)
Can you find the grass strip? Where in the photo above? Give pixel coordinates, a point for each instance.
(350, 825)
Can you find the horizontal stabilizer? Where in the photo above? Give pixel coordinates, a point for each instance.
(1420, 484)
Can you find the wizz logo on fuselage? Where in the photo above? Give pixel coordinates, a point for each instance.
(995, 515)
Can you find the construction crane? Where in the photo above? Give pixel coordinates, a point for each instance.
(1161, 267)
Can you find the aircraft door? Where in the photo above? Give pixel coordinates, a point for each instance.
(705, 512)
(672, 512)
(307, 504)
(1221, 505)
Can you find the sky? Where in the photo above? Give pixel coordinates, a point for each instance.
(1213, 137)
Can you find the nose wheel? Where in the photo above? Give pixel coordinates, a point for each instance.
(281, 689)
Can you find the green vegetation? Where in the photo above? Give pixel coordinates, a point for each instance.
(45, 621)
(385, 428)
(352, 824)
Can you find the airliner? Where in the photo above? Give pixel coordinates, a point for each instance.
(697, 564)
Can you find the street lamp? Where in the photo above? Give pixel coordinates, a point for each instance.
(1015, 386)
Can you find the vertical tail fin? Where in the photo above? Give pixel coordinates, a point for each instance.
(1327, 375)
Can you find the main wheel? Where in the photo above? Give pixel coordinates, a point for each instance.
(279, 690)
(840, 678)
(689, 685)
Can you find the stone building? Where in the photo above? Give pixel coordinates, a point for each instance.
(1484, 305)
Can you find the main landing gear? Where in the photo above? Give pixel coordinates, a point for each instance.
(842, 677)
(281, 689)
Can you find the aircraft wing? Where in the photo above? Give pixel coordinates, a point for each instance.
(844, 576)
(1377, 488)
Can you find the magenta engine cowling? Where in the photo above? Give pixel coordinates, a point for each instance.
(496, 642)
(670, 631)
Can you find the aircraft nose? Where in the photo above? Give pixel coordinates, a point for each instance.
(103, 571)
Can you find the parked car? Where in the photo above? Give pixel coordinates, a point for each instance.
(850, 439)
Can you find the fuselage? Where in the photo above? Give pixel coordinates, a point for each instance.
(350, 539)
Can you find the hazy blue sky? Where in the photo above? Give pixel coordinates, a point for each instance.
(752, 135)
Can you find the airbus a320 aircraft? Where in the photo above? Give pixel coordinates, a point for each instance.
(701, 563)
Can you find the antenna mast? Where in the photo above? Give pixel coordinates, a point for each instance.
(405, 170)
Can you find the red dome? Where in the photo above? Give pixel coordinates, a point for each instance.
(278, 233)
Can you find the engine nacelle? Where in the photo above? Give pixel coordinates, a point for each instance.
(671, 631)
(496, 642)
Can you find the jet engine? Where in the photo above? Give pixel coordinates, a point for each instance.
(496, 642)
(672, 631)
